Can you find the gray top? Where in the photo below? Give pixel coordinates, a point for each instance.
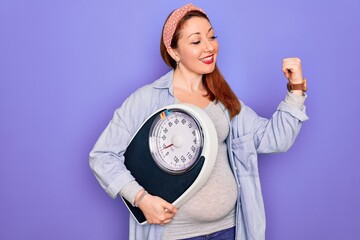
(212, 208)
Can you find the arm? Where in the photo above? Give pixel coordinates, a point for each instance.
(107, 158)
(279, 133)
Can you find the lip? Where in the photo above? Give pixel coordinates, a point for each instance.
(208, 59)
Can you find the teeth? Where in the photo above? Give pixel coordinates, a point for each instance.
(207, 58)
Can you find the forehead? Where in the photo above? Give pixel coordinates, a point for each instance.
(194, 25)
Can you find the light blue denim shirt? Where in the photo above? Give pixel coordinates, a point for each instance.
(248, 136)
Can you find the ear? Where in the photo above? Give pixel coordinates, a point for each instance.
(173, 53)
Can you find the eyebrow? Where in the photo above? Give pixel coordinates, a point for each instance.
(199, 32)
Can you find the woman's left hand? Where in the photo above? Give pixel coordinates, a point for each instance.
(292, 70)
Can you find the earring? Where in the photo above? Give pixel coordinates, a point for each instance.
(177, 64)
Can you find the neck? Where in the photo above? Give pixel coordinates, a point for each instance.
(187, 81)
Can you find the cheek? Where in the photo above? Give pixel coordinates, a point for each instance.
(192, 55)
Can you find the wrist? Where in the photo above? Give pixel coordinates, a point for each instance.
(139, 193)
(298, 92)
(297, 88)
(140, 198)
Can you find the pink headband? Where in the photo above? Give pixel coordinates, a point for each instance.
(173, 20)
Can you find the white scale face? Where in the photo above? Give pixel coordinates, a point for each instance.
(176, 141)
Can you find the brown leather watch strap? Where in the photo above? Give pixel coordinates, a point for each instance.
(301, 86)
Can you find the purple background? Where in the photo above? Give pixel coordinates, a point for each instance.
(65, 66)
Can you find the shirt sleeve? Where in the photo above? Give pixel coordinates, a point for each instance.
(107, 156)
(278, 133)
(295, 100)
(130, 190)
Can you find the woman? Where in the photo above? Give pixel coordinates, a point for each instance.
(229, 205)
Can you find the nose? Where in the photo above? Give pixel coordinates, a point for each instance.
(208, 46)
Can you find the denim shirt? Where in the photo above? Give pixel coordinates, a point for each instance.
(249, 135)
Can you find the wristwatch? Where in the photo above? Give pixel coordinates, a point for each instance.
(300, 86)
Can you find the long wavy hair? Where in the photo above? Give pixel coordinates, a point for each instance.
(214, 82)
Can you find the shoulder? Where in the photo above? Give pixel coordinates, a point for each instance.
(141, 103)
(164, 81)
(150, 90)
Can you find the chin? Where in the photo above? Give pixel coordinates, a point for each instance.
(209, 69)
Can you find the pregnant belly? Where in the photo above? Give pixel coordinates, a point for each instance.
(214, 200)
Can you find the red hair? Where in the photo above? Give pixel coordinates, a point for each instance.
(215, 84)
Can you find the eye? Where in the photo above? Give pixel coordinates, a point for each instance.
(213, 37)
(196, 43)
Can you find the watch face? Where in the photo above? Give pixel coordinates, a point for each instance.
(175, 141)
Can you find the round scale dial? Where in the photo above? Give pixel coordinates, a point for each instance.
(175, 141)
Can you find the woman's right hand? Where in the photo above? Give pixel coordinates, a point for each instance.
(156, 210)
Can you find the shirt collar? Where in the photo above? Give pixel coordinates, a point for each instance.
(165, 81)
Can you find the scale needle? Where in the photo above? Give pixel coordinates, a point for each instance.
(167, 146)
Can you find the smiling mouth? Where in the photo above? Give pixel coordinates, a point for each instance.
(208, 59)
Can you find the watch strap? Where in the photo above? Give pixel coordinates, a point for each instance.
(301, 86)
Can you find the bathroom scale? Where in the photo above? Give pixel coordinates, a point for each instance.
(172, 154)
